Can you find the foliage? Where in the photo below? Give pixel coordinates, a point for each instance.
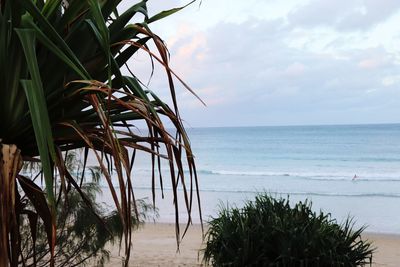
(269, 232)
(62, 88)
(83, 230)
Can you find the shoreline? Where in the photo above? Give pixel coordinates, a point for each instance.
(154, 244)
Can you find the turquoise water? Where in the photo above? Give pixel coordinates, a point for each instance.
(314, 162)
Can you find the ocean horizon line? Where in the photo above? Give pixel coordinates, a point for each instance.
(295, 125)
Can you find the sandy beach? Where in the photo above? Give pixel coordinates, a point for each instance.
(387, 249)
(155, 245)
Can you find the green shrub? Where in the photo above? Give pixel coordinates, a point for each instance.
(269, 232)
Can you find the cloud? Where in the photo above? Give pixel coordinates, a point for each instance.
(343, 14)
(295, 69)
(316, 64)
(248, 74)
(371, 63)
(391, 80)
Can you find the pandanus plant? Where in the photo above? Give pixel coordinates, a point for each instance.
(62, 88)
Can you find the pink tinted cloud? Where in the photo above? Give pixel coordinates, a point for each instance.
(371, 63)
(188, 50)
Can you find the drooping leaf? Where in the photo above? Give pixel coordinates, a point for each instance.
(37, 197)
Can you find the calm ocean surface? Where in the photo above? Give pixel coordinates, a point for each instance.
(314, 162)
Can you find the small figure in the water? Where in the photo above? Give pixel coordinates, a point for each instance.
(355, 176)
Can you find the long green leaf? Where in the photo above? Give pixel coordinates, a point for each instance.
(124, 18)
(78, 68)
(102, 30)
(167, 13)
(37, 104)
(50, 7)
(49, 30)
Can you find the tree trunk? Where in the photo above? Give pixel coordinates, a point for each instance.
(10, 165)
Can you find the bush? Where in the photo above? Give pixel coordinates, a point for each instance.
(269, 232)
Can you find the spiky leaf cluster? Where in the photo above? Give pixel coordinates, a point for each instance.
(270, 232)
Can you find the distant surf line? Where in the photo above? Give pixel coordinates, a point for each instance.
(318, 176)
(309, 176)
(285, 193)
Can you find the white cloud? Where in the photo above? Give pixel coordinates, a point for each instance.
(391, 80)
(344, 14)
(295, 69)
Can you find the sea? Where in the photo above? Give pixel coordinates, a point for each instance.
(349, 171)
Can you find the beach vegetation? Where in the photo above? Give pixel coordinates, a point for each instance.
(65, 85)
(84, 227)
(271, 232)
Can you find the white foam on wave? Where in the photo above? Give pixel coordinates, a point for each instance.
(322, 176)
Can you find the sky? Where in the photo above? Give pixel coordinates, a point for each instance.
(283, 62)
